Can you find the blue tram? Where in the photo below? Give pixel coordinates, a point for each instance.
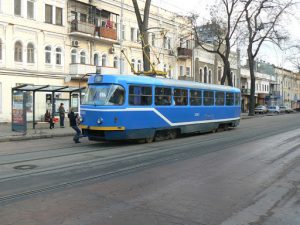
(124, 107)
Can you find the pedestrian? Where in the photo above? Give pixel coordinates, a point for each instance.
(61, 111)
(49, 119)
(74, 122)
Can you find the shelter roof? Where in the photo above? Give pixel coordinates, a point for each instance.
(47, 88)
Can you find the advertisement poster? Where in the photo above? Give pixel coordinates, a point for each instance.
(19, 122)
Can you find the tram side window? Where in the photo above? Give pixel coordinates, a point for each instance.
(180, 96)
(229, 98)
(140, 95)
(220, 98)
(163, 96)
(237, 99)
(195, 97)
(208, 97)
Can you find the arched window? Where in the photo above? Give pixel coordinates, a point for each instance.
(201, 75)
(139, 65)
(116, 62)
(30, 53)
(48, 54)
(96, 59)
(82, 57)
(104, 60)
(74, 56)
(58, 56)
(205, 74)
(209, 77)
(132, 65)
(18, 52)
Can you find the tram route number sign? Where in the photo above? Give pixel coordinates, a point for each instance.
(19, 122)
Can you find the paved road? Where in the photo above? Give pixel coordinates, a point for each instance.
(249, 175)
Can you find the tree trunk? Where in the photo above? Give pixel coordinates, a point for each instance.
(226, 73)
(252, 87)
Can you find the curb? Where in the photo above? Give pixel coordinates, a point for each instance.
(33, 137)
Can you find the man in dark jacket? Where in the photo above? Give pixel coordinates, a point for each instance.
(74, 118)
(61, 111)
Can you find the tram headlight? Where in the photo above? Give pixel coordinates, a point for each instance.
(81, 119)
(99, 120)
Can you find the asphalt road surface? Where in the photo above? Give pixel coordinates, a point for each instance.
(247, 175)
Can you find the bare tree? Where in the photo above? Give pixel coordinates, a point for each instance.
(294, 56)
(263, 24)
(143, 27)
(222, 27)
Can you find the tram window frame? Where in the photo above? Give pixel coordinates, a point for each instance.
(180, 96)
(237, 98)
(219, 101)
(142, 98)
(208, 100)
(163, 96)
(197, 99)
(229, 100)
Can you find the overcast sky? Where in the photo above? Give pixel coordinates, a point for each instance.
(268, 53)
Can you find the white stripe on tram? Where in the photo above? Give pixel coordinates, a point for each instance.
(161, 115)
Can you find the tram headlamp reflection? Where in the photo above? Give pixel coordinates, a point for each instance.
(99, 120)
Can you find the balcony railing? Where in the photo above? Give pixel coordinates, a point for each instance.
(184, 52)
(78, 68)
(189, 78)
(83, 27)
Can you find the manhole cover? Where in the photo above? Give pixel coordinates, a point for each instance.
(25, 167)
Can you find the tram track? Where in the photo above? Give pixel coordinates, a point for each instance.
(137, 160)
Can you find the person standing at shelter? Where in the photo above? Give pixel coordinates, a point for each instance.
(62, 111)
(74, 121)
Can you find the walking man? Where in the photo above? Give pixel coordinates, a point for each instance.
(74, 121)
(62, 111)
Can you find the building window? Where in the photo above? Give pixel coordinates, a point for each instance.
(138, 36)
(82, 57)
(30, 9)
(17, 7)
(48, 13)
(82, 17)
(170, 71)
(116, 62)
(139, 65)
(58, 56)
(30, 53)
(48, 54)
(132, 32)
(209, 77)
(104, 60)
(188, 71)
(132, 65)
(18, 52)
(165, 42)
(123, 33)
(181, 71)
(96, 59)
(153, 40)
(74, 56)
(58, 16)
(205, 74)
(169, 43)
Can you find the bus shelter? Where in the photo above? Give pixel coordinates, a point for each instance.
(19, 92)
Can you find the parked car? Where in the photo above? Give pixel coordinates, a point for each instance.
(261, 109)
(274, 109)
(286, 109)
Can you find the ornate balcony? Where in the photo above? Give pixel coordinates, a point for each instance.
(82, 27)
(184, 53)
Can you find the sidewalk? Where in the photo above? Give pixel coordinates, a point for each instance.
(41, 131)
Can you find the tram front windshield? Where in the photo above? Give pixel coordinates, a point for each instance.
(106, 94)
